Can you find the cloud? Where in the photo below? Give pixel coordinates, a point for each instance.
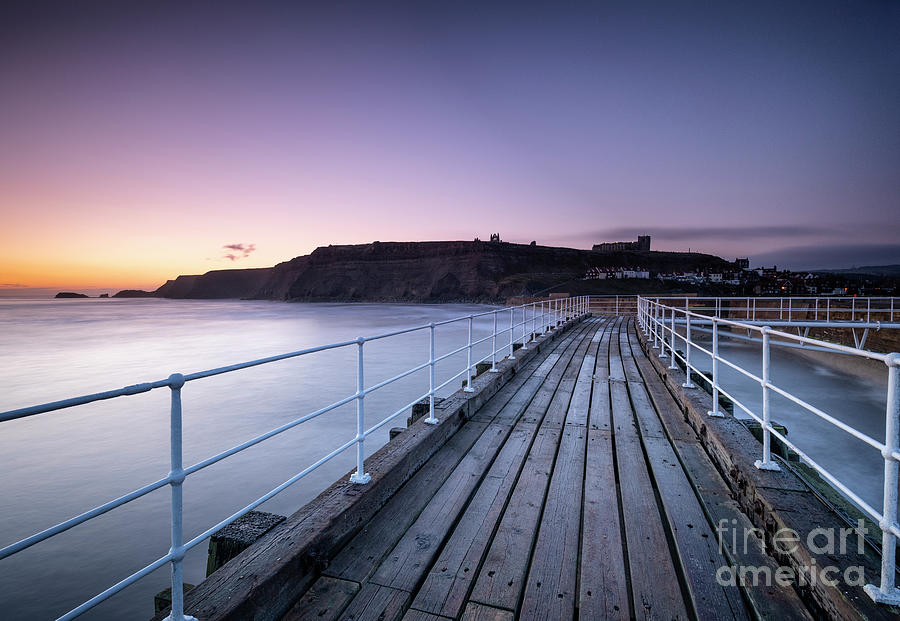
(831, 256)
(12, 285)
(238, 251)
(690, 233)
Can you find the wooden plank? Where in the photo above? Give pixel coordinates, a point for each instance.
(559, 406)
(601, 369)
(376, 602)
(655, 589)
(656, 592)
(616, 370)
(695, 540)
(600, 418)
(550, 588)
(324, 601)
(603, 592)
(417, 615)
(631, 371)
(447, 583)
(408, 561)
(622, 420)
(479, 612)
(669, 411)
(502, 574)
(648, 422)
(539, 411)
(735, 532)
(580, 405)
(361, 556)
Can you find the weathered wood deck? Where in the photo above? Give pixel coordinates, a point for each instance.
(577, 491)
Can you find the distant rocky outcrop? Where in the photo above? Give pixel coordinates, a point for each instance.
(455, 271)
(69, 294)
(135, 293)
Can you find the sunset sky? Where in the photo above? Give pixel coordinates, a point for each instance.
(137, 142)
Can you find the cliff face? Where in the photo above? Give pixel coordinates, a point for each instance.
(215, 285)
(418, 272)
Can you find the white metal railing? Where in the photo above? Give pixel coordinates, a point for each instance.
(542, 316)
(794, 310)
(660, 319)
(614, 304)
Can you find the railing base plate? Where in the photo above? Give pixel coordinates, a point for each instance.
(361, 479)
(880, 597)
(771, 466)
(715, 414)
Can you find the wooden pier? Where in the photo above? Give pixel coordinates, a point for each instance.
(571, 493)
(579, 482)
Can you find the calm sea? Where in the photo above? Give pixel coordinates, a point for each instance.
(60, 464)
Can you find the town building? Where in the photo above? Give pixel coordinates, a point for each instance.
(641, 245)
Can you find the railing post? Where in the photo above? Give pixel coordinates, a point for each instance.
(715, 370)
(827, 309)
(656, 325)
(887, 592)
(790, 309)
(470, 372)
(853, 309)
(524, 327)
(662, 335)
(176, 480)
(687, 351)
(673, 364)
(494, 368)
(432, 419)
(511, 337)
(766, 462)
(360, 476)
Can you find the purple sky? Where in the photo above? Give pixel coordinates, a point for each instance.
(150, 138)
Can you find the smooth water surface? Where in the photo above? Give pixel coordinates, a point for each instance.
(60, 464)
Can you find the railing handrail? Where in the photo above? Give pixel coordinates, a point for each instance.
(653, 317)
(546, 315)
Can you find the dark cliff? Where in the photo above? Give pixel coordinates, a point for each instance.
(216, 285)
(421, 272)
